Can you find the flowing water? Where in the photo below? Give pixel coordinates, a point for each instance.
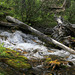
(30, 46)
(33, 48)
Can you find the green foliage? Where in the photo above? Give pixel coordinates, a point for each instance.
(1, 73)
(2, 50)
(36, 12)
(70, 12)
(30, 12)
(5, 9)
(73, 37)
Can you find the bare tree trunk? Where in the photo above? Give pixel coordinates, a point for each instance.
(38, 33)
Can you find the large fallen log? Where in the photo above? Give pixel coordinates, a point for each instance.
(41, 35)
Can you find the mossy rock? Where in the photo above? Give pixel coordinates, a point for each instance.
(14, 59)
(18, 64)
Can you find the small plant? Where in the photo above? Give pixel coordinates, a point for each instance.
(1, 74)
(2, 50)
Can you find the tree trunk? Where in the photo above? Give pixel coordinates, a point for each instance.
(38, 33)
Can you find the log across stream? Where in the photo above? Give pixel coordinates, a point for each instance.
(33, 48)
(17, 36)
(30, 46)
(39, 34)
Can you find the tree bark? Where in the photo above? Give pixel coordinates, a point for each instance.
(39, 34)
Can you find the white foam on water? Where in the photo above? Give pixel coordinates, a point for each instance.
(60, 53)
(24, 42)
(32, 45)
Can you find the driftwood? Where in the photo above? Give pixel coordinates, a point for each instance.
(39, 34)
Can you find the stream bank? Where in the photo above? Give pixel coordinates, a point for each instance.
(43, 60)
(12, 62)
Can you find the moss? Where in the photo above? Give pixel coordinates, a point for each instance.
(18, 64)
(7, 70)
(73, 38)
(48, 59)
(13, 59)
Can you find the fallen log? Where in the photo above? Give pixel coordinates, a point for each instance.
(7, 24)
(39, 34)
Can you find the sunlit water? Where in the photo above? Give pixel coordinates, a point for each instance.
(35, 48)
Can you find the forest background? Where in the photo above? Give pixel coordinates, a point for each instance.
(38, 13)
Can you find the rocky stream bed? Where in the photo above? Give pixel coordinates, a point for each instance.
(25, 54)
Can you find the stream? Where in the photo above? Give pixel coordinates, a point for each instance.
(30, 46)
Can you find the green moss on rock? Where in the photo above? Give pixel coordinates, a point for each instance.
(13, 59)
(18, 64)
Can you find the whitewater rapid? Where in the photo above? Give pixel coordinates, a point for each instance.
(35, 48)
